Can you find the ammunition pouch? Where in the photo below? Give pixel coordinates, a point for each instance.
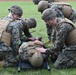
(4, 36)
(71, 38)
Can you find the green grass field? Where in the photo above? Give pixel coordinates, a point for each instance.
(30, 10)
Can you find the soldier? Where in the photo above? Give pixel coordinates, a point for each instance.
(31, 52)
(10, 36)
(63, 10)
(65, 44)
(24, 26)
(49, 1)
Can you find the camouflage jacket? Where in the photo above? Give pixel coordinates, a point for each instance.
(13, 29)
(59, 12)
(24, 32)
(50, 28)
(62, 31)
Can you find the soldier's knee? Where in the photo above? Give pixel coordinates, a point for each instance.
(57, 65)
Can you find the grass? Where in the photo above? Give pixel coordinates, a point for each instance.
(30, 10)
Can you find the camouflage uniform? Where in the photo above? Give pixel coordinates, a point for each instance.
(16, 29)
(24, 31)
(50, 29)
(58, 8)
(8, 54)
(65, 53)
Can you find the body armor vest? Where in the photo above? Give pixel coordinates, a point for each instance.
(71, 38)
(4, 36)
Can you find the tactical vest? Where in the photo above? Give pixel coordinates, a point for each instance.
(65, 8)
(4, 36)
(71, 38)
(28, 46)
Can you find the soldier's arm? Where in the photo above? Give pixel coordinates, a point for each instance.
(60, 37)
(15, 38)
(27, 33)
(49, 31)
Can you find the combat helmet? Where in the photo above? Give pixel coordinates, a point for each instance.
(31, 22)
(16, 9)
(66, 10)
(42, 5)
(48, 14)
(36, 60)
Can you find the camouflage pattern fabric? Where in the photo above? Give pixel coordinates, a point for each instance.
(67, 58)
(50, 29)
(27, 49)
(24, 32)
(51, 33)
(13, 29)
(65, 51)
(16, 28)
(59, 10)
(59, 14)
(9, 53)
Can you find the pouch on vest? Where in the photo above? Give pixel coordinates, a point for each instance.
(4, 36)
(71, 38)
(66, 8)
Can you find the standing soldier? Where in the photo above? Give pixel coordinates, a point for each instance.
(24, 26)
(65, 44)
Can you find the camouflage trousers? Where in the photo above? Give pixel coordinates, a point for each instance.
(66, 59)
(7, 55)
